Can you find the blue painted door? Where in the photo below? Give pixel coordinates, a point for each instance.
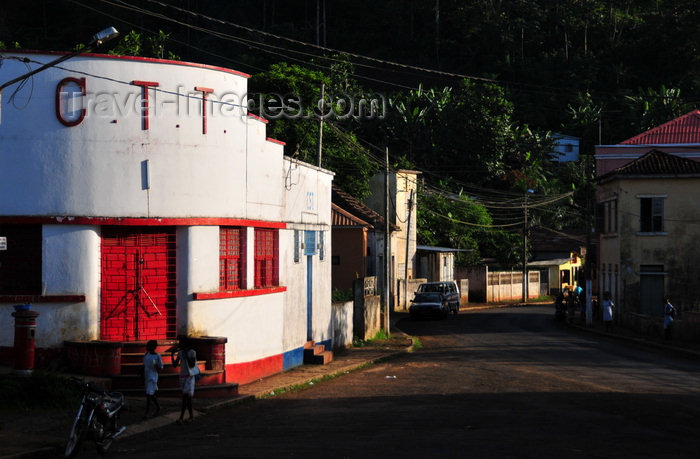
(309, 251)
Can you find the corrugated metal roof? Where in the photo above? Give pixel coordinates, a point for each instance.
(685, 129)
(550, 262)
(340, 217)
(656, 163)
(428, 248)
(356, 208)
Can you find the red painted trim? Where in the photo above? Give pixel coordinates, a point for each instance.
(42, 298)
(244, 373)
(145, 100)
(205, 92)
(239, 293)
(128, 221)
(259, 118)
(59, 107)
(132, 58)
(270, 139)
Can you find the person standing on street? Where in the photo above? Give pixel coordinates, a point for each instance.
(152, 364)
(608, 308)
(186, 359)
(669, 314)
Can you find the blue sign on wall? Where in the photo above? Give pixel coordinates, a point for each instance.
(309, 242)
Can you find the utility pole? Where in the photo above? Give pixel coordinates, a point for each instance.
(525, 277)
(437, 32)
(320, 125)
(318, 22)
(387, 244)
(589, 226)
(408, 242)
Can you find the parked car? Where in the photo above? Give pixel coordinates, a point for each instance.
(448, 290)
(428, 304)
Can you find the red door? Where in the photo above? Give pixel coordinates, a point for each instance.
(138, 284)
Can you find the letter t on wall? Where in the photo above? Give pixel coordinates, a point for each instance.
(144, 100)
(205, 92)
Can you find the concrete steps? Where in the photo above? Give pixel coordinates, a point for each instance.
(130, 380)
(316, 354)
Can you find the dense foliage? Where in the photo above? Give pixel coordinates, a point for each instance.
(499, 77)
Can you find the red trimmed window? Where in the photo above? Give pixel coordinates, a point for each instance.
(20, 263)
(231, 258)
(266, 258)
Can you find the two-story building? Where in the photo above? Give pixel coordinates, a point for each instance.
(648, 219)
(403, 198)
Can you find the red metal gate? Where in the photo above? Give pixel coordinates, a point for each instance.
(138, 284)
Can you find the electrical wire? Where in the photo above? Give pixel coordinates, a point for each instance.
(191, 96)
(469, 223)
(250, 43)
(174, 40)
(497, 205)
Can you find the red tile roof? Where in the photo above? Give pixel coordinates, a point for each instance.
(656, 163)
(685, 129)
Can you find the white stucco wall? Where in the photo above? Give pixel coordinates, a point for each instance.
(308, 208)
(70, 266)
(96, 168)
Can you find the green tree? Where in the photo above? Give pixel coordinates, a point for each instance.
(458, 221)
(132, 44)
(655, 107)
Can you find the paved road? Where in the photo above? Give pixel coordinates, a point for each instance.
(494, 383)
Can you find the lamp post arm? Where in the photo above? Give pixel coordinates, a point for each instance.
(97, 39)
(41, 69)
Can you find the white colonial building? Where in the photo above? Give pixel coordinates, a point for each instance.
(140, 200)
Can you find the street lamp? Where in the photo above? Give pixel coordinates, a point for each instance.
(98, 39)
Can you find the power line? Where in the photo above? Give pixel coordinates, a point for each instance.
(260, 45)
(205, 51)
(250, 43)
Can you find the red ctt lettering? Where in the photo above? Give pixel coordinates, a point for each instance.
(205, 92)
(144, 100)
(59, 101)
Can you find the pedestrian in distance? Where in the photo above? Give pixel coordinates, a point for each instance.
(152, 364)
(186, 359)
(669, 314)
(560, 307)
(608, 308)
(578, 301)
(570, 305)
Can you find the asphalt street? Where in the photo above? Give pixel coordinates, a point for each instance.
(507, 382)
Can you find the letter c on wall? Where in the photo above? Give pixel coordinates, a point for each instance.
(59, 107)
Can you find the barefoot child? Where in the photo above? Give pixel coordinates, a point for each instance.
(152, 363)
